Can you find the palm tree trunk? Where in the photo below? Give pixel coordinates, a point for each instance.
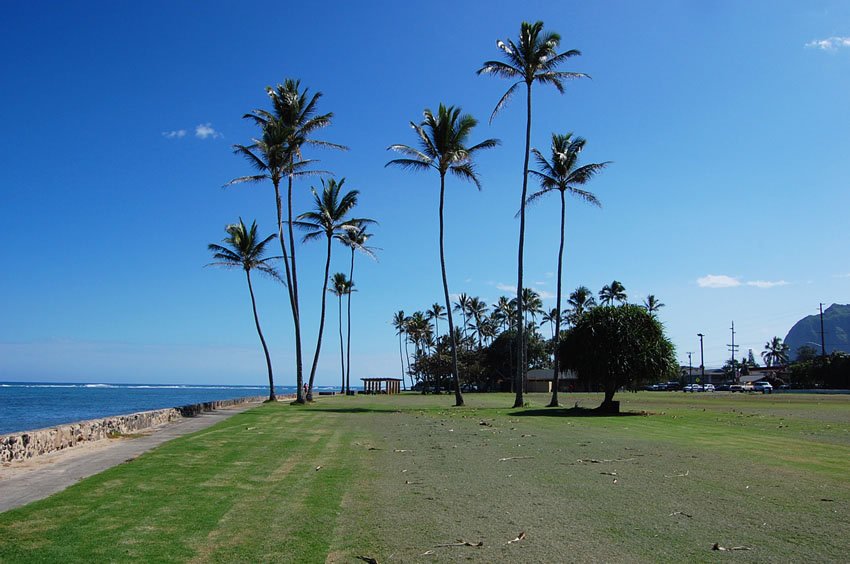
(458, 395)
(521, 364)
(293, 296)
(401, 358)
(341, 349)
(321, 322)
(351, 282)
(272, 396)
(299, 376)
(407, 354)
(556, 339)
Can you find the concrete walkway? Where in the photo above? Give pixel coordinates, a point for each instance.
(30, 480)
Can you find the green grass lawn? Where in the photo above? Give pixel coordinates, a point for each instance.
(393, 478)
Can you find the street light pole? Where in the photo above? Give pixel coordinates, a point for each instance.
(701, 358)
(690, 369)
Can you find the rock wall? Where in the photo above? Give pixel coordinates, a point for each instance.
(42, 441)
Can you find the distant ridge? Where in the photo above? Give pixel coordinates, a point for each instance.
(836, 325)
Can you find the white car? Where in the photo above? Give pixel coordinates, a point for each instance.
(708, 388)
(692, 388)
(763, 387)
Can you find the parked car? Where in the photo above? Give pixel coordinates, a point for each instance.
(723, 387)
(763, 387)
(708, 388)
(692, 388)
(736, 388)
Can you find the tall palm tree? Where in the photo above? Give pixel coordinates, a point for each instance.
(563, 174)
(477, 311)
(652, 304)
(327, 219)
(614, 292)
(462, 306)
(506, 309)
(552, 317)
(355, 239)
(534, 58)
(295, 116)
(442, 147)
(581, 299)
(244, 250)
(775, 352)
(400, 325)
(341, 286)
(435, 314)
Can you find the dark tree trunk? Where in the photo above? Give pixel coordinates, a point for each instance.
(455, 378)
(348, 362)
(321, 322)
(557, 338)
(521, 356)
(401, 358)
(608, 404)
(293, 296)
(272, 396)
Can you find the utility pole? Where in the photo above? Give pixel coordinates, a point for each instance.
(690, 369)
(822, 338)
(733, 349)
(701, 359)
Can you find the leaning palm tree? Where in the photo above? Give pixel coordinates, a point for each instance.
(294, 119)
(442, 146)
(533, 59)
(327, 219)
(775, 352)
(242, 249)
(563, 174)
(355, 239)
(341, 286)
(614, 292)
(652, 304)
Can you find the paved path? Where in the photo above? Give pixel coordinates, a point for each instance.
(27, 481)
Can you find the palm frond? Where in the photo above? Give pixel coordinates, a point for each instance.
(504, 100)
(409, 164)
(467, 172)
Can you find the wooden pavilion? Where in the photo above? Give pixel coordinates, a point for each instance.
(381, 385)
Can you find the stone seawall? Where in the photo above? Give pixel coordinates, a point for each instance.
(42, 441)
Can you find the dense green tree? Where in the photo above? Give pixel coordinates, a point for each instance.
(327, 219)
(243, 249)
(443, 147)
(805, 353)
(532, 59)
(563, 174)
(619, 346)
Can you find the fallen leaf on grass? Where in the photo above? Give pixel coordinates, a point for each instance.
(681, 513)
(826, 499)
(514, 458)
(427, 552)
(368, 559)
(400, 450)
(679, 475)
(609, 473)
(485, 423)
(318, 468)
(718, 547)
(519, 537)
(461, 542)
(615, 481)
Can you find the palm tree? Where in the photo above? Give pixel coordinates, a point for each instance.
(462, 306)
(775, 352)
(563, 174)
(580, 300)
(505, 311)
(442, 142)
(533, 59)
(533, 304)
(552, 317)
(286, 130)
(355, 239)
(327, 219)
(400, 325)
(341, 286)
(436, 313)
(615, 292)
(244, 250)
(478, 312)
(652, 304)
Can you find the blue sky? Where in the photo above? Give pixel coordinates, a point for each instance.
(727, 123)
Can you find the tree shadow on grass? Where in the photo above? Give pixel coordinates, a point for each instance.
(576, 412)
(350, 409)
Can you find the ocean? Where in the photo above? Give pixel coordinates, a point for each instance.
(25, 406)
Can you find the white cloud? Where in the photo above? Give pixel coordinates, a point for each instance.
(829, 44)
(544, 295)
(717, 281)
(766, 283)
(175, 134)
(206, 131)
(506, 288)
(842, 275)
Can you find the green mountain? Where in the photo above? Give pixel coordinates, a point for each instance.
(836, 329)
